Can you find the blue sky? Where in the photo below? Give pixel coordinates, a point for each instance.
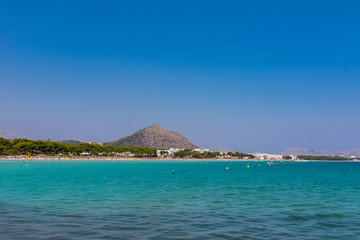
(252, 76)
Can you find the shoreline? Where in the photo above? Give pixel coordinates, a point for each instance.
(112, 158)
(97, 158)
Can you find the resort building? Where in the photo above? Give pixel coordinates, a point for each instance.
(267, 156)
(201, 150)
(167, 152)
(98, 143)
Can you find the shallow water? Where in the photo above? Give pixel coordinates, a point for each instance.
(202, 200)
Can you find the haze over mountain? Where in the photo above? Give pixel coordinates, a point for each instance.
(155, 137)
(221, 149)
(329, 152)
(73, 141)
(8, 134)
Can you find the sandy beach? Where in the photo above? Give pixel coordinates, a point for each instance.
(116, 158)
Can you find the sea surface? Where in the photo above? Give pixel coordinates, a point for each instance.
(201, 200)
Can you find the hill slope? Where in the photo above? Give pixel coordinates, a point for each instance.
(75, 142)
(329, 152)
(154, 137)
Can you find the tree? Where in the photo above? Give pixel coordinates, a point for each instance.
(23, 147)
(163, 153)
(5, 146)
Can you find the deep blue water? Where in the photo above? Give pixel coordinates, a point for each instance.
(202, 200)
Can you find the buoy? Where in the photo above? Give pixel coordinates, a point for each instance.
(248, 166)
(173, 172)
(227, 168)
(259, 165)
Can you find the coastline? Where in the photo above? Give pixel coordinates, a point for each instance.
(112, 158)
(24, 158)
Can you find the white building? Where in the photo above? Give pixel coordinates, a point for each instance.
(98, 143)
(167, 152)
(124, 154)
(162, 153)
(267, 156)
(201, 150)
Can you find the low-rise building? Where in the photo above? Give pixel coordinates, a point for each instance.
(267, 156)
(167, 152)
(124, 154)
(98, 143)
(201, 150)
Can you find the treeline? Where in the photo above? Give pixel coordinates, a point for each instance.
(188, 153)
(327, 158)
(26, 146)
(195, 154)
(240, 155)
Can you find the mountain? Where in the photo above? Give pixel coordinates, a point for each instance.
(297, 151)
(329, 152)
(221, 149)
(8, 134)
(75, 142)
(154, 137)
(351, 152)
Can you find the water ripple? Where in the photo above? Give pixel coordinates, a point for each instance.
(112, 201)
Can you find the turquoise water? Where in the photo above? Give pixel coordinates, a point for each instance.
(202, 200)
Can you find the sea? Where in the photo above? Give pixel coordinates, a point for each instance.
(179, 200)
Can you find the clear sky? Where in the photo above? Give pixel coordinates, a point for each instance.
(249, 75)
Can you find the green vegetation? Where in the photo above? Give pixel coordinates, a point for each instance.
(195, 154)
(164, 153)
(25, 146)
(326, 158)
(74, 142)
(240, 155)
(287, 157)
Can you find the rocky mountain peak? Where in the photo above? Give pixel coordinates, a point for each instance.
(155, 136)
